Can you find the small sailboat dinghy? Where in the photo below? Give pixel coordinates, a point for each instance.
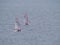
(26, 21)
(17, 25)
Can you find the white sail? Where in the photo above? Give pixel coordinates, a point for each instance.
(17, 26)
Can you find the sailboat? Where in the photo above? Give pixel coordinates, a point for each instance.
(26, 21)
(17, 25)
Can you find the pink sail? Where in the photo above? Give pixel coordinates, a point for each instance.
(26, 19)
